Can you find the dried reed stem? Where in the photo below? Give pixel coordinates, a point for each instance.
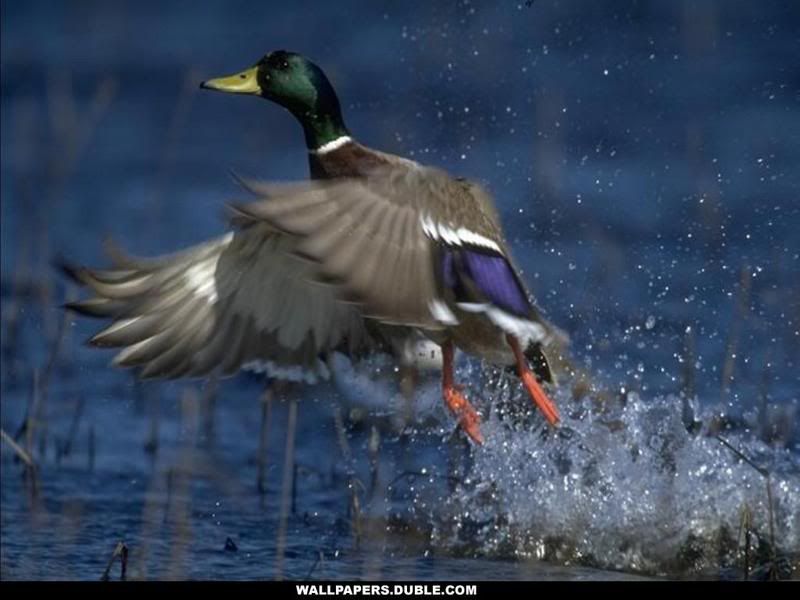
(209, 403)
(24, 456)
(65, 449)
(263, 438)
(768, 480)
(91, 448)
(120, 552)
(286, 488)
(373, 449)
(740, 315)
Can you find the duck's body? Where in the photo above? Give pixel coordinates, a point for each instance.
(373, 250)
(471, 331)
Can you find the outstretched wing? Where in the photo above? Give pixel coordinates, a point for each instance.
(411, 245)
(241, 300)
(370, 245)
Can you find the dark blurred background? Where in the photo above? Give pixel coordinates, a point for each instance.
(645, 156)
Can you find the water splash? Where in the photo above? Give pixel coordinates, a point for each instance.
(628, 488)
(629, 483)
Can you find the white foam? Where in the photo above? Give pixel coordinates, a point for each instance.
(631, 497)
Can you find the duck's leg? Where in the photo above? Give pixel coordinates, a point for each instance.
(468, 417)
(532, 386)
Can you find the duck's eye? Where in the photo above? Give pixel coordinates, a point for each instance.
(278, 61)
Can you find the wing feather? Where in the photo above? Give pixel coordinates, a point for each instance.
(240, 299)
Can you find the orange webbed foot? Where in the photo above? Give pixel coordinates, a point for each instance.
(541, 399)
(468, 417)
(535, 391)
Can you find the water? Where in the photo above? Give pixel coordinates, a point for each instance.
(645, 161)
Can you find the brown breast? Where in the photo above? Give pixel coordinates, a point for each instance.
(350, 160)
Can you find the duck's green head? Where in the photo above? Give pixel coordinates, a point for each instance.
(295, 83)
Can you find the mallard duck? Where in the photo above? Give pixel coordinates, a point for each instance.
(374, 248)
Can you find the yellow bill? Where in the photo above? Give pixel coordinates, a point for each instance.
(245, 82)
